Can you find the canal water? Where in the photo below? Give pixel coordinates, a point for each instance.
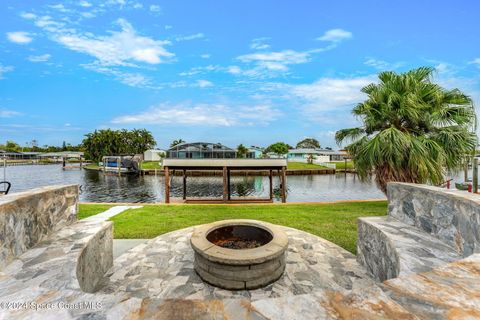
(98, 187)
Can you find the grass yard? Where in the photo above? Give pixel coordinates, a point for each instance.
(150, 165)
(341, 164)
(303, 166)
(336, 222)
(92, 166)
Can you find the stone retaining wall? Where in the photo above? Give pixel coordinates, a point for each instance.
(27, 218)
(451, 216)
(95, 258)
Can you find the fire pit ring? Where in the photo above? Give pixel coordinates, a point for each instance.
(239, 254)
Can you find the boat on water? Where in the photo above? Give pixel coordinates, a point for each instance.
(121, 164)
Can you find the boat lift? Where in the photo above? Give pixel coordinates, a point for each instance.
(121, 164)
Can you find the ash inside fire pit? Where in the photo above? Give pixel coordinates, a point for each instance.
(239, 237)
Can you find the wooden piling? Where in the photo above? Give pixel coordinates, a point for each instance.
(167, 185)
(184, 184)
(225, 184)
(270, 182)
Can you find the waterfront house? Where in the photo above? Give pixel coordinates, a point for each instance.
(319, 155)
(200, 150)
(255, 152)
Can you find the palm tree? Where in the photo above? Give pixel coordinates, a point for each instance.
(176, 142)
(413, 129)
(242, 151)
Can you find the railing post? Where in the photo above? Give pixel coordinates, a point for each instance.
(475, 175)
(284, 185)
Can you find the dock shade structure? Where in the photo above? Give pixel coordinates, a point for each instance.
(226, 166)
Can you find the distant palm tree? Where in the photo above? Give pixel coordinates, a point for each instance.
(242, 151)
(176, 142)
(413, 129)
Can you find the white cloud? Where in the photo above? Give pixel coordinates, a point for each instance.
(234, 70)
(283, 57)
(335, 35)
(155, 8)
(199, 70)
(85, 4)
(204, 83)
(4, 69)
(202, 114)
(28, 15)
(258, 44)
(120, 48)
(328, 94)
(130, 79)
(205, 56)
(270, 63)
(190, 37)
(382, 65)
(19, 37)
(168, 27)
(40, 58)
(60, 7)
(476, 62)
(9, 113)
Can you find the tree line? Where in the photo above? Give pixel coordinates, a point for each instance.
(117, 142)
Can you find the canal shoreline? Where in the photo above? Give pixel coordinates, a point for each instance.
(201, 173)
(231, 204)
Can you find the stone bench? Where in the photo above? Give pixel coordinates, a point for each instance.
(426, 227)
(29, 217)
(389, 248)
(76, 258)
(43, 249)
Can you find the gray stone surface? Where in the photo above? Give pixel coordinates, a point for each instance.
(120, 246)
(389, 248)
(163, 268)
(72, 260)
(156, 280)
(450, 291)
(452, 216)
(27, 218)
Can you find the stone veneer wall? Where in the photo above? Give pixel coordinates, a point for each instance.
(29, 217)
(450, 216)
(95, 258)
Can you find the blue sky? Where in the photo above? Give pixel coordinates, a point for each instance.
(252, 72)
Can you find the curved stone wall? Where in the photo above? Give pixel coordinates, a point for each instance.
(376, 252)
(95, 259)
(451, 216)
(27, 218)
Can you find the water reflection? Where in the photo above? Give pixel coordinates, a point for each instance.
(97, 187)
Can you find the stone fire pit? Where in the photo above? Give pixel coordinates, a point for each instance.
(239, 254)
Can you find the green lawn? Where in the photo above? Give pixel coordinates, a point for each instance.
(87, 210)
(92, 166)
(151, 165)
(341, 164)
(302, 165)
(336, 222)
